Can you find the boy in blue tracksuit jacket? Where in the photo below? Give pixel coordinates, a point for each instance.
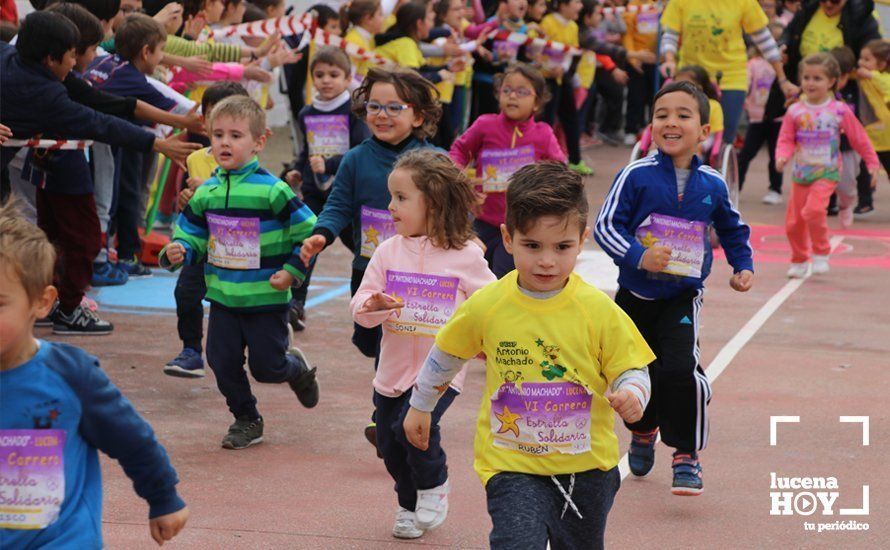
(654, 224)
(57, 409)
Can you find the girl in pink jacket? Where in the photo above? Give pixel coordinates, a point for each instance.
(413, 284)
(811, 133)
(501, 144)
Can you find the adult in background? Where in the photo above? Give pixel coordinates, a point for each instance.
(710, 33)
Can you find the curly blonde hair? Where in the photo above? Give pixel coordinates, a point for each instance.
(448, 193)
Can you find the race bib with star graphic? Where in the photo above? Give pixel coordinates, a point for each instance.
(429, 302)
(685, 238)
(377, 226)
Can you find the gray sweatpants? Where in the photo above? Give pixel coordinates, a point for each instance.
(528, 510)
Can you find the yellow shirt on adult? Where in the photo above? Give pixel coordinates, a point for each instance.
(821, 34)
(711, 35)
(716, 119)
(549, 364)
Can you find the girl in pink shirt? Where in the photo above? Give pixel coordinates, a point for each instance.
(499, 145)
(811, 132)
(414, 282)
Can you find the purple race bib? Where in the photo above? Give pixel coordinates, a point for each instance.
(327, 135)
(541, 418)
(429, 302)
(234, 242)
(685, 238)
(377, 226)
(32, 478)
(499, 164)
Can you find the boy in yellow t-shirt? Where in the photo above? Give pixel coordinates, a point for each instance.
(560, 358)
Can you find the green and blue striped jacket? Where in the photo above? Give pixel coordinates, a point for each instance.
(254, 202)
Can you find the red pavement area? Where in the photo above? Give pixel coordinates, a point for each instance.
(316, 483)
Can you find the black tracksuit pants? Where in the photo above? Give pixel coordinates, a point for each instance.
(680, 388)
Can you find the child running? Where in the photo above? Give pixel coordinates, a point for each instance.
(654, 224)
(413, 283)
(249, 225)
(57, 408)
(560, 357)
(811, 133)
(501, 144)
(401, 110)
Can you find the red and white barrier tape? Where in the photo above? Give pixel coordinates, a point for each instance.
(630, 9)
(287, 26)
(51, 144)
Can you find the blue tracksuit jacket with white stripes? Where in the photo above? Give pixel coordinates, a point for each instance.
(649, 186)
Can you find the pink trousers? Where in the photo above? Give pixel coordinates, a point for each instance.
(806, 219)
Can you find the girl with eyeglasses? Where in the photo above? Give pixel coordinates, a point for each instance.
(402, 110)
(498, 145)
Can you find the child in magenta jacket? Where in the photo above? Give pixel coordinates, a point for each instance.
(413, 283)
(501, 144)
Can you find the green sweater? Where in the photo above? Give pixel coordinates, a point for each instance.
(183, 47)
(248, 224)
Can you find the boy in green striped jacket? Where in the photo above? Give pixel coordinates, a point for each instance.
(249, 225)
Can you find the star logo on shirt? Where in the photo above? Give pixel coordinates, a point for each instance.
(371, 235)
(508, 421)
(649, 240)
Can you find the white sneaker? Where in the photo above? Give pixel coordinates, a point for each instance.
(799, 271)
(432, 506)
(630, 139)
(772, 198)
(405, 526)
(820, 264)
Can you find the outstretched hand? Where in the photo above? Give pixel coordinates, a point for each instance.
(379, 302)
(312, 246)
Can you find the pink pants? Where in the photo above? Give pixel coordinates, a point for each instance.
(806, 219)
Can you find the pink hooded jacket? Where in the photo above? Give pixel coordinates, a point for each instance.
(432, 282)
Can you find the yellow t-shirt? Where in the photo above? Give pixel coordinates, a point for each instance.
(557, 29)
(716, 119)
(821, 34)
(642, 28)
(389, 21)
(549, 362)
(403, 51)
(201, 164)
(355, 37)
(711, 35)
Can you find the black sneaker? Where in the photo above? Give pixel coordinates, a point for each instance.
(304, 384)
(296, 316)
(47, 321)
(863, 212)
(371, 436)
(243, 433)
(82, 321)
(134, 269)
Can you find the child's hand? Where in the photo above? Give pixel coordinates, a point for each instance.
(626, 405)
(184, 197)
(281, 280)
(417, 428)
(656, 258)
(5, 133)
(175, 253)
(863, 73)
(620, 76)
(379, 302)
(780, 164)
(316, 163)
(446, 76)
(176, 148)
(253, 72)
(166, 527)
(293, 178)
(312, 246)
(874, 179)
(742, 281)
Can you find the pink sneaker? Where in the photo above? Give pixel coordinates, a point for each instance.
(846, 217)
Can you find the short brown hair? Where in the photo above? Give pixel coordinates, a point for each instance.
(138, 30)
(332, 56)
(240, 107)
(411, 88)
(25, 250)
(448, 193)
(828, 63)
(533, 75)
(846, 59)
(704, 108)
(545, 189)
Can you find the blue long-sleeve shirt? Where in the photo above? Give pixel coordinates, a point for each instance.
(649, 186)
(68, 409)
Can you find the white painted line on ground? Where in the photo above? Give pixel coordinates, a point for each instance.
(742, 337)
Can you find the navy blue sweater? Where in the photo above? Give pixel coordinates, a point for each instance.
(35, 102)
(61, 396)
(649, 186)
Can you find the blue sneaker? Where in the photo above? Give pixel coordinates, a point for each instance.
(134, 268)
(188, 364)
(687, 475)
(641, 456)
(106, 274)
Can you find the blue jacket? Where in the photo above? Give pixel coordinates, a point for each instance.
(62, 396)
(35, 102)
(360, 181)
(649, 186)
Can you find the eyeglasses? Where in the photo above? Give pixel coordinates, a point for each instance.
(392, 109)
(521, 93)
